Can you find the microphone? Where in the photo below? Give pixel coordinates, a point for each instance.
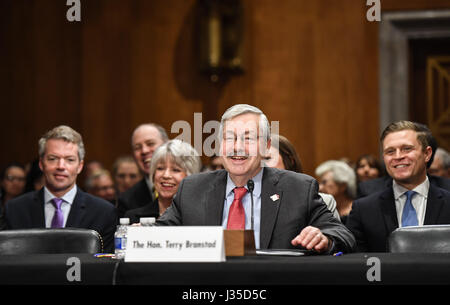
(251, 186)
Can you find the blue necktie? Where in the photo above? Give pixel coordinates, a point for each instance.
(409, 216)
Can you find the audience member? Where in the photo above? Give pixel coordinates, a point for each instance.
(145, 140)
(410, 200)
(282, 155)
(371, 186)
(12, 183)
(100, 184)
(88, 168)
(368, 167)
(337, 178)
(126, 173)
(289, 160)
(170, 163)
(441, 164)
(288, 211)
(60, 203)
(92, 166)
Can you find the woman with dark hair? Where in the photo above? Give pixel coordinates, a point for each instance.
(368, 167)
(289, 158)
(12, 182)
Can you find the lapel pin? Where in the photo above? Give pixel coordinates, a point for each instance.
(275, 197)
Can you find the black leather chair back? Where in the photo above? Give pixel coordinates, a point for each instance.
(426, 239)
(50, 241)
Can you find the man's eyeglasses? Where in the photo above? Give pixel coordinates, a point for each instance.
(247, 139)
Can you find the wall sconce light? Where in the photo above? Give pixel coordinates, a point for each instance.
(220, 28)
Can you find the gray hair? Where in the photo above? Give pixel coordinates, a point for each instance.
(65, 133)
(182, 153)
(342, 173)
(444, 156)
(239, 109)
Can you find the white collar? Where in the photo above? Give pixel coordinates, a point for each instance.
(257, 180)
(67, 197)
(421, 189)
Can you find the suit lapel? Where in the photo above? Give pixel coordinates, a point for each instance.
(434, 205)
(214, 198)
(269, 207)
(37, 210)
(388, 209)
(77, 210)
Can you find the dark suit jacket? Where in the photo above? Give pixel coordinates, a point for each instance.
(87, 211)
(137, 196)
(149, 210)
(374, 217)
(375, 185)
(200, 202)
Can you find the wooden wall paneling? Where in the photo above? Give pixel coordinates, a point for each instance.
(16, 80)
(56, 56)
(106, 78)
(346, 112)
(312, 65)
(282, 68)
(161, 62)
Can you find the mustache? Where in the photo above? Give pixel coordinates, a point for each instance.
(239, 153)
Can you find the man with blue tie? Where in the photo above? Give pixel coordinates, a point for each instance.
(410, 201)
(60, 203)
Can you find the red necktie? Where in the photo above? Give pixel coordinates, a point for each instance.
(236, 215)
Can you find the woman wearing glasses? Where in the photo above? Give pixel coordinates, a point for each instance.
(12, 183)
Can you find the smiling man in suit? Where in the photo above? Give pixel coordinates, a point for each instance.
(411, 200)
(146, 138)
(287, 210)
(375, 185)
(60, 203)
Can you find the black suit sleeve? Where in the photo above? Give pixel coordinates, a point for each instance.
(2, 221)
(320, 217)
(355, 225)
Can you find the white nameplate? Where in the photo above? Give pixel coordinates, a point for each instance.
(175, 244)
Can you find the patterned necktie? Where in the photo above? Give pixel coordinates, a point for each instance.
(58, 217)
(409, 215)
(236, 215)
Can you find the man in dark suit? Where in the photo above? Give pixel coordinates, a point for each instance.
(411, 199)
(60, 203)
(286, 212)
(366, 188)
(146, 138)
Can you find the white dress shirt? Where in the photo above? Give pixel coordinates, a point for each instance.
(419, 200)
(49, 208)
(247, 203)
